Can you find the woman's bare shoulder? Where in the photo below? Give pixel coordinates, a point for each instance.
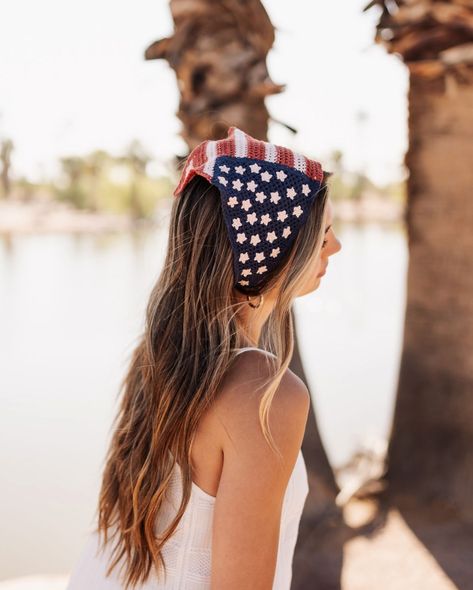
(239, 397)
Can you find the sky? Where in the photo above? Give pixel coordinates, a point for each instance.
(73, 79)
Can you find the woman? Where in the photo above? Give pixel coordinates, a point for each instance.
(205, 482)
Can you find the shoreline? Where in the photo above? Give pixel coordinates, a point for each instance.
(52, 217)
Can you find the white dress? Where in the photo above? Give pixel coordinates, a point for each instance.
(189, 551)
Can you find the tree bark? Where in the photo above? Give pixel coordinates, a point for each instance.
(318, 555)
(218, 51)
(430, 452)
(323, 486)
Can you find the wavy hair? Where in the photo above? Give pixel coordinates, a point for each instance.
(189, 339)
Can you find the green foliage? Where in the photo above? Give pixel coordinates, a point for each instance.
(119, 184)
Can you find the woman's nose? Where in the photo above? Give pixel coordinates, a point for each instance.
(337, 247)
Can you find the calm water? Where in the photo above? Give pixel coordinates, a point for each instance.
(71, 308)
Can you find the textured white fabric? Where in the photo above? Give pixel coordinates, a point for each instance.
(188, 553)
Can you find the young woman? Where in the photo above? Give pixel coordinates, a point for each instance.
(205, 482)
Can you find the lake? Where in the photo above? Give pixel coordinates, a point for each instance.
(71, 309)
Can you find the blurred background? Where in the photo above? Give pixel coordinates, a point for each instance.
(99, 103)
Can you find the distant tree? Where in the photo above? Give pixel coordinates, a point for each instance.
(6, 149)
(430, 452)
(137, 158)
(94, 165)
(74, 169)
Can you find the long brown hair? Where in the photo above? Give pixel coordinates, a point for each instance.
(189, 339)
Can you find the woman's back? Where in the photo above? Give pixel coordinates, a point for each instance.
(188, 554)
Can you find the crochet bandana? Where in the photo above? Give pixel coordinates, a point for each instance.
(266, 192)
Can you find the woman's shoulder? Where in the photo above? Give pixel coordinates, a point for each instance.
(238, 400)
(253, 367)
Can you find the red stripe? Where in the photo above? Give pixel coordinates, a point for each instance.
(314, 170)
(319, 173)
(200, 157)
(255, 149)
(195, 160)
(311, 171)
(284, 156)
(224, 147)
(230, 143)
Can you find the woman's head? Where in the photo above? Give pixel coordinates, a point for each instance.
(195, 319)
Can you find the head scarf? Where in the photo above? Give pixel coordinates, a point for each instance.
(266, 192)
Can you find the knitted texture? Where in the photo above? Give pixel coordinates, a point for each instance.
(266, 193)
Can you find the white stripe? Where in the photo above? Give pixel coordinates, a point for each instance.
(240, 144)
(299, 162)
(270, 152)
(210, 152)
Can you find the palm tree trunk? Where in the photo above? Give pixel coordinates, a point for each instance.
(323, 486)
(218, 51)
(430, 453)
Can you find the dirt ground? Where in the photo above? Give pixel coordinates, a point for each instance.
(407, 551)
(380, 547)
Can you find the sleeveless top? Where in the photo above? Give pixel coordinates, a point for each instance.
(188, 553)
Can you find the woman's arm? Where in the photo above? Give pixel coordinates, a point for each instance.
(247, 510)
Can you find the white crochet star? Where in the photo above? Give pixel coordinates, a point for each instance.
(252, 218)
(281, 175)
(266, 218)
(224, 168)
(275, 197)
(246, 204)
(259, 256)
(232, 201)
(291, 193)
(245, 272)
(275, 252)
(251, 186)
(305, 189)
(286, 232)
(266, 176)
(241, 238)
(244, 257)
(282, 215)
(243, 283)
(254, 240)
(255, 168)
(271, 236)
(260, 197)
(237, 184)
(261, 270)
(297, 211)
(236, 223)
(223, 180)
(240, 169)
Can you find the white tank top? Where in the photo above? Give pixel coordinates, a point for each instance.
(188, 552)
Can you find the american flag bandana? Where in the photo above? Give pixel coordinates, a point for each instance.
(266, 192)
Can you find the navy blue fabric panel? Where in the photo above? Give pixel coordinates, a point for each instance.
(264, 206)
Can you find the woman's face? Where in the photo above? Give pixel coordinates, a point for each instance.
(330, 246)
